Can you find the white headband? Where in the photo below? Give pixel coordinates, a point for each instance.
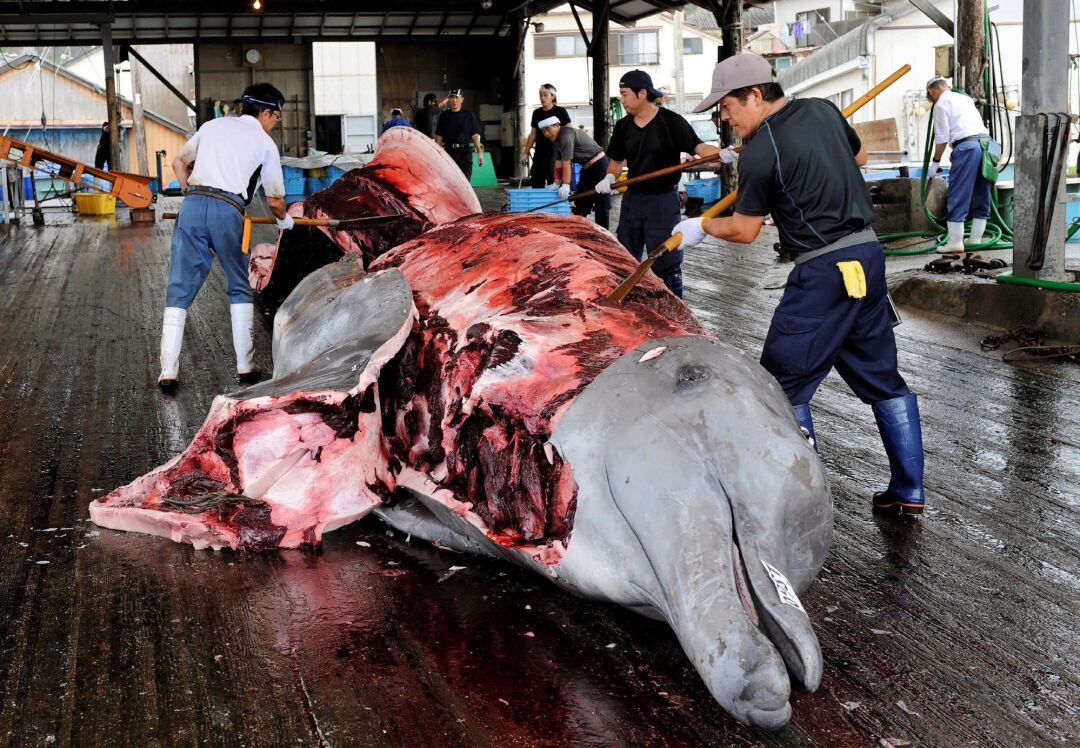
(547, 122)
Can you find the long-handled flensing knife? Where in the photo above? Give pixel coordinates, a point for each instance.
(719, 207)
(333, 223)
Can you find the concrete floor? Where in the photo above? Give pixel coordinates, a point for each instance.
(958, 629)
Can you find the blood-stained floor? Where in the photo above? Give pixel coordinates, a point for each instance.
(960, 628)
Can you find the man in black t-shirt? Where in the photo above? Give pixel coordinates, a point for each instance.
(648, 138)
(801, 165)
(454, 131)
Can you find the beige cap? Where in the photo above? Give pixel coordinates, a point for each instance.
(737, 71)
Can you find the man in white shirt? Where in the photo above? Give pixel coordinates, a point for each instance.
(958, 122)
(219, 170)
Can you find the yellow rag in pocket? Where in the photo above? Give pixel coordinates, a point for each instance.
(854, 278)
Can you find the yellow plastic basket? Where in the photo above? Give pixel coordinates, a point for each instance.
(95, 203)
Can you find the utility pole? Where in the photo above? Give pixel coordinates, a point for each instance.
(680, 85)
(108, 55)
(971, 50)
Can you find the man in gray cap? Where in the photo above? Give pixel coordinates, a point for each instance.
(801, 165)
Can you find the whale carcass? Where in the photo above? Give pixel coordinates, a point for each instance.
(469, 389)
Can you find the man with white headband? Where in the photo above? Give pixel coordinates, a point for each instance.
(574, 146)
(543, 155)
(219, 170)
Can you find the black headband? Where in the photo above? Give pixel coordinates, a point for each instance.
(245, 99)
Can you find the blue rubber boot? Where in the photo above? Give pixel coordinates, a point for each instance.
(802, 415)
(901, 433)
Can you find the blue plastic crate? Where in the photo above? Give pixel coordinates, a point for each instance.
(334, 173)
(528, 198)
(291, 198)
(706, 189)
(315, 184)
(294, 180)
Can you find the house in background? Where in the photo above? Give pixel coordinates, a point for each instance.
(555, 53)
(845, 68)
(74, 109)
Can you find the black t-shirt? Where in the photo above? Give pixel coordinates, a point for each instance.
(800, 168)
(457, 127)
(542, 144)
(426, 119)
(659, 144)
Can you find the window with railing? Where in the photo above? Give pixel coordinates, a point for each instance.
(635, 48)
(558, 45)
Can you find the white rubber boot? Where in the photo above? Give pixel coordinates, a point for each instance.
(243, 318)
(956, 239)
(172, 340)
(978, 228)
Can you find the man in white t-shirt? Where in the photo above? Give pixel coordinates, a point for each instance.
(219, 170)
(957, 122)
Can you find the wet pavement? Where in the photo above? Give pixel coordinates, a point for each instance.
(958, 629)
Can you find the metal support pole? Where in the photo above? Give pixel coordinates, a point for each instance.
(598, 51)
(970, 49)
(1045, 91)
(108, 60)
(731, 25)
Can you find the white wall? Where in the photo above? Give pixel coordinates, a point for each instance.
(345, 81)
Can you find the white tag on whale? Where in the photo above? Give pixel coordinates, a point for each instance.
(783, 588)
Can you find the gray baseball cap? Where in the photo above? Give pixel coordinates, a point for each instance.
(737, 71)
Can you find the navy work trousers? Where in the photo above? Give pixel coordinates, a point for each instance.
(818, 326)
(462, 156)
(590, 175)
(969, 192)
(645, 222)
(205, 227)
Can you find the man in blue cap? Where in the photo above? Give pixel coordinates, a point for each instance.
(648, 138)
(801, 166)
(219, 170)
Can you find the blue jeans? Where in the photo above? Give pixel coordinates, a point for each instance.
(968, 191)
(818, 326)
(645, 222)
(206, 227)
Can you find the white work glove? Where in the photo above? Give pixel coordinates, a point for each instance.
(605, 185)
(692, 232)
(285, 223)
(564, 191)
(525, 158)
(934, 170)
(728, 155)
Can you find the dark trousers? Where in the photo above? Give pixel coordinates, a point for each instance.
(818, 326)
(645, 222)
(543, 164)
(969, 192)
(590, 176)
(462, 155)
